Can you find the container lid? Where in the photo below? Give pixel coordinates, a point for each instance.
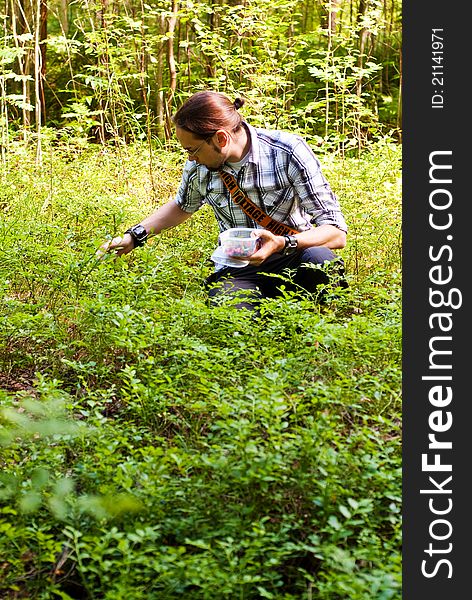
(238, 232)
(219, 257)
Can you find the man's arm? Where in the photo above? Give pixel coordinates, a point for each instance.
(324, 235)
(314, 191)
(166, 216)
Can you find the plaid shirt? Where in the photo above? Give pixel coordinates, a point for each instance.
(282, 176)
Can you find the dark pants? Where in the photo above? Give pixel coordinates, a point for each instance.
(296, 272)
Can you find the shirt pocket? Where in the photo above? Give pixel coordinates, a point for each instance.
(216, 200)
(275, 197)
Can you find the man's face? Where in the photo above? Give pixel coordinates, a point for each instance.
(207, 152)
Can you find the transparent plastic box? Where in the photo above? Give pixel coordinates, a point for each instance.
(239, 242)
(236, 245)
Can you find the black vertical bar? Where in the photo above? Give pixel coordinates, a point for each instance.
(437, 400)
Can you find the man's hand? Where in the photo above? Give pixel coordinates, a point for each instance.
(117, 246)
(270, 244)
(322, 235)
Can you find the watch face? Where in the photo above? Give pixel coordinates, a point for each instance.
(291, 244)
(140, 232)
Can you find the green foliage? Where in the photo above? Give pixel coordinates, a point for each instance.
(116, 71)
(154, 447)
(370, 191)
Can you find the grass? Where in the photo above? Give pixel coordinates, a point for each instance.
(154, 448)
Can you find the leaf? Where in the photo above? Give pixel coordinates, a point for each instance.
(333, 521)
(353, 503)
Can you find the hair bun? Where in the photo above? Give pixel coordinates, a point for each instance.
(238, 103)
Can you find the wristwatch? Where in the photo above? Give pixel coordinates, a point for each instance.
(139, 235)
(291, 245)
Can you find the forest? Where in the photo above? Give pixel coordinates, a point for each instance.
(153, 447)
(117, 70)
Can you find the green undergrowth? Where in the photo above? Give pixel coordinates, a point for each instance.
(153, 447)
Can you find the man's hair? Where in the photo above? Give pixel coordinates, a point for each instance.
(206, 112)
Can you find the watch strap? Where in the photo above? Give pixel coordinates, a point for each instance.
(138, 234)
(291, 244)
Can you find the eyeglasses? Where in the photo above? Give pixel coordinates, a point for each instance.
(197, 150)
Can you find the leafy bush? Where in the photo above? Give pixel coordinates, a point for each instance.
(153, 447)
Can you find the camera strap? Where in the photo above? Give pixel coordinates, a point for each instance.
(251, 209)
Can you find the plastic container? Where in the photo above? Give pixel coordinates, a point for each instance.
(236, 245)
(239, 242)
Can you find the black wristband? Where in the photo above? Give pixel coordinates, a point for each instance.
(139, 235)
(291, 244)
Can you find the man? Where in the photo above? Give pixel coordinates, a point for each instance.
(274, 179)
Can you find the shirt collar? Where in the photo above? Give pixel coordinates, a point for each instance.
(254, 152)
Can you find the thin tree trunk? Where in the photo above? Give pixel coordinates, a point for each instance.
(43, 34)
(37, 80)
(209, 63)
(104, 61)
(188, 56)
(364, 36)
(20, 26)
(160, 81)
(334, 8)
(4, 124)
(64, 16)
(172, 66)
(4, 108)
(328, 59)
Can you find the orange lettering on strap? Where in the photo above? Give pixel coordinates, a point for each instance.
(251, 209)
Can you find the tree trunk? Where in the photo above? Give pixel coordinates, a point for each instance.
(172, 67)
(21, 18)
(64, 17)
(101, 132)
(334, 8)
(43, 34)
(160, 81)
(363, 37)
(38, 67)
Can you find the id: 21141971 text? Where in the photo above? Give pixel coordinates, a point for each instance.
(437, 68)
